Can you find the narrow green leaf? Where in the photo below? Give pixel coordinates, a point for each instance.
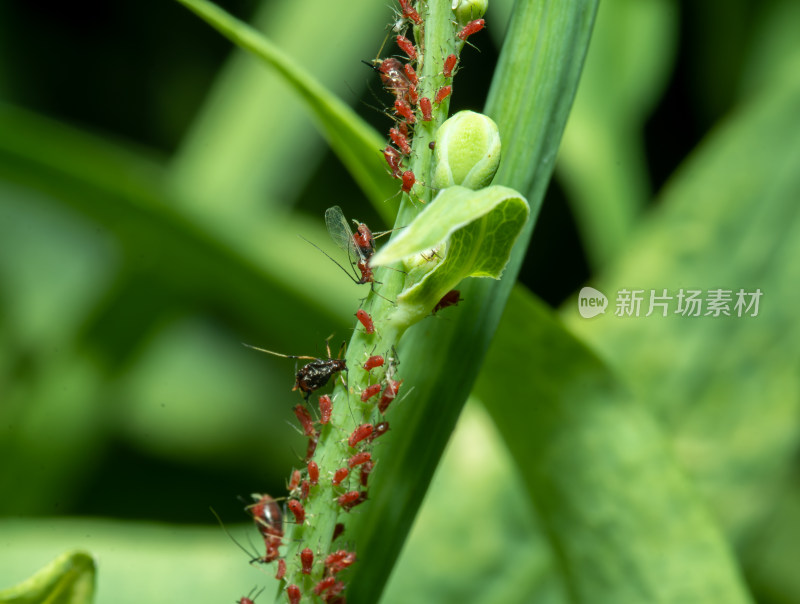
(252, 144)
(356, 143)
(69, 579)
(623, 520)
(531, 94)
(602, 161)
(126, 192)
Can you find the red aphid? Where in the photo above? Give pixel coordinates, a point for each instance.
(411, 74)
(373, 362)
(304, 417)
(360, 433)
(403, 109)
(294, 481)
(400, 140)
(408, 181)
(298, 510)
(293, 593)
(267, 515)
(381, 428)
(470, 28)
(425, 107)
(393, 78)
(339, 560)
(349, 499)
(313, 473)
(413, 95)
(325, 409)
(324, 585)
(442, 94)
(407, 47)
(364, 318)
(367, 276)
(342, 235)
(281, 572)
(312, 446)
(363, 238)
(369, 392)
(307, 560)
(432, 145)
(451, 298)
(305, 487)
(393, 158)
(334, 591)
(409, 12)
(449, 64)
(366, 469)
(389, 394)
(339, 476)
(269, 521)
(359, 458)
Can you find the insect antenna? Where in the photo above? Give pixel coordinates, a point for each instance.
(278, 354)
(346, 272)
(253, 555)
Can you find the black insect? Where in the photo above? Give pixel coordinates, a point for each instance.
(314, 375)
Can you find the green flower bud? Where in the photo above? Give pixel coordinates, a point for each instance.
(467, 151)
(469, 10)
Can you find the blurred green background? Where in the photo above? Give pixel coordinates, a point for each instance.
(153, 183)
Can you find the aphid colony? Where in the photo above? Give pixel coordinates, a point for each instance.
(402, 82)
(309, 574)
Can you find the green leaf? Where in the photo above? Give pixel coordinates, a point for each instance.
(356, 143)
(601, 162)
(441, 563)
(473, 233)
(623, 520)
(69, 579)
(726, 388)
(530, 98)
(142, 562)
(252, 144)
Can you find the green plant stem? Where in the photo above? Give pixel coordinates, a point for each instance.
(333, 451)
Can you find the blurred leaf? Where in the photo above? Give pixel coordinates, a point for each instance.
(770, 558)
(126, 193)
(252, 145)
(69, 579)
(356, 143)
(475, 538)
(141, 562)
(726, 388)
(602, 161)
(623, 520)
(774, 55)
(530, 98)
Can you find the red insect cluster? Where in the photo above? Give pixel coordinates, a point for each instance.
(345, 480)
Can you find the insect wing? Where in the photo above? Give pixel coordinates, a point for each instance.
(341, 233)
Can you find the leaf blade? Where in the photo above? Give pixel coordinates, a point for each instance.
(356, 143)
(624, 522)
